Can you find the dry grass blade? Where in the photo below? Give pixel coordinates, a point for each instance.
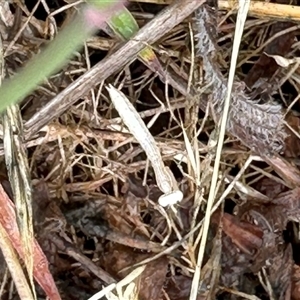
(164, 178)
(18, 171)
(40, 267)
(130, 284)
(127, 281)
(16, 222)
(190, 153)
(14, 265)
(241, 18)
(211, 270)
(240, 294)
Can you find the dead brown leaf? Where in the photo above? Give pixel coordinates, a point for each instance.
(152, 279)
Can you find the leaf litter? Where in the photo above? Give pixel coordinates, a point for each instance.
(96, 212)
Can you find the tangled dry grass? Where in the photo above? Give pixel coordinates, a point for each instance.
(94, 193)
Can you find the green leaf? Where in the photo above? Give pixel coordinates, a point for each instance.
(124, 24)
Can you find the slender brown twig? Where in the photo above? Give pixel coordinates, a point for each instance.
(150, 33)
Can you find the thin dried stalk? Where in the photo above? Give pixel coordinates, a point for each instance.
(259, 126)
(265, 9)
(260, 9)
(241, 19)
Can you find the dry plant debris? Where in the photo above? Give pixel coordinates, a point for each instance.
(99, 227)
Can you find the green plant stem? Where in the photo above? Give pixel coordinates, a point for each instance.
(56, 54)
